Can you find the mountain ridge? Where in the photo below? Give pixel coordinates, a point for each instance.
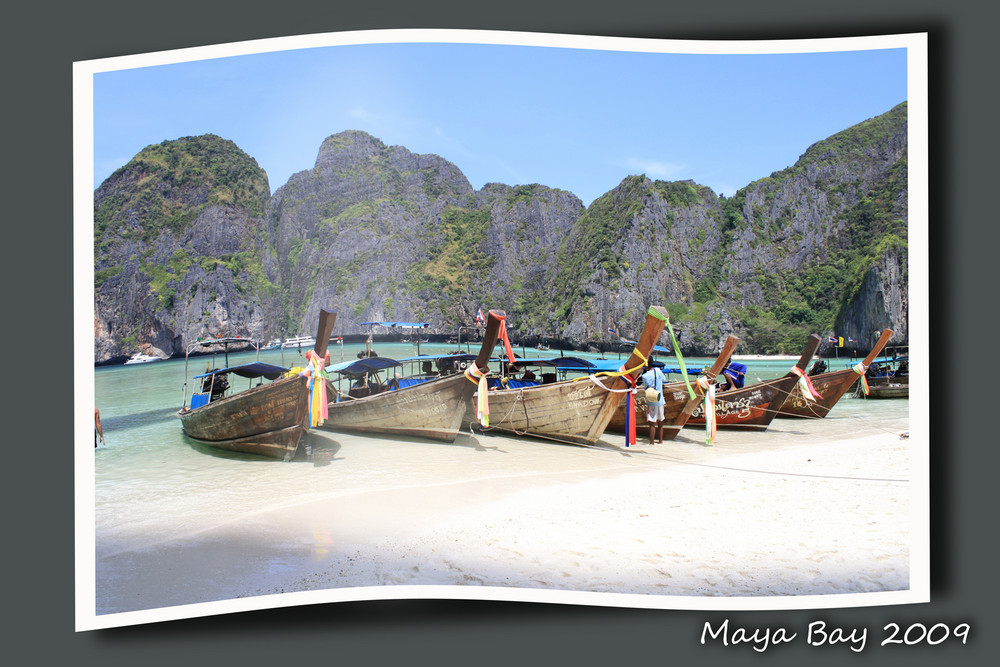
(188, 243)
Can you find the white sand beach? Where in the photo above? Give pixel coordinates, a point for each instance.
(809, 507)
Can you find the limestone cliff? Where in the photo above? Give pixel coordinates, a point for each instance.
(188, 243)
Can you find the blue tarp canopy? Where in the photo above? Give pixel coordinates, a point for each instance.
(401, 325)
(252, 370)
(884, 360)
(461, 356)
(566, 363)
(359, 366)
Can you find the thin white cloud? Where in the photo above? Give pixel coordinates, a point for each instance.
(723, 189)
(655, 169)
(362, 114)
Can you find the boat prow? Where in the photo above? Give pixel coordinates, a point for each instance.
(679, 403)
(268, 419)
(754, 406)
(430, 408)
(830, 386)
(571, 411)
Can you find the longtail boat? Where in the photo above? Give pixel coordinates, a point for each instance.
(889, 376)
(423, 407)
(268, 419)
(754, 406)
(571, 411)
(679, 403)
(831, 386)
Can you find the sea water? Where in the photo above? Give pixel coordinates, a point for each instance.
(153, 486)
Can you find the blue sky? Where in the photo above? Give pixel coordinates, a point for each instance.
(575, 119)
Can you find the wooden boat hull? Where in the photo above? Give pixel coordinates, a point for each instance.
(678, 404)
(576, 412)
(572, 411)
(676, 411)
(889, 389)
(432, 410)
(751, 408)
(268, 420)
(831, 386)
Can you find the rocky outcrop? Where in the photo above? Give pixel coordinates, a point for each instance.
(178, 250)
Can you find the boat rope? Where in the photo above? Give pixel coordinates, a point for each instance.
(506, 418)
(672, 459)
(621, 372)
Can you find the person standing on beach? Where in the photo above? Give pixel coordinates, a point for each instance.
(653, 379)
(98, 429)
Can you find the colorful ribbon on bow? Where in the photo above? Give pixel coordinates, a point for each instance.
(861, 370)
(710, 425)
(315, 374)
(805, 385)
(482, 397)
(630, 416)
(680, 358)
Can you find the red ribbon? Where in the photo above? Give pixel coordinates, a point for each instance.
(803, 378)
(505, 339)
(630, 412)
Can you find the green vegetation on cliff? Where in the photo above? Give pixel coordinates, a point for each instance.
(166, 186)
(456, 256)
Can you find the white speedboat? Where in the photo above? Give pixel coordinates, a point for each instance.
(274, 344)
(299, 342)
(140, 358)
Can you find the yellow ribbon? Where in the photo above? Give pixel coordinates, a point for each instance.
(315, 374)
(618, 373)
(482, 399)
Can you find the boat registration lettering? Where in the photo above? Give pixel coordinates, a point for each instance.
(431, 403)
(740, 408)
(579, 394)
(579, 405)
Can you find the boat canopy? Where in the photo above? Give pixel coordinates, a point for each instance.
(566, 363)
(365, 365)
(461, 356)
(884, 361)
(400, 325)
(252, 370)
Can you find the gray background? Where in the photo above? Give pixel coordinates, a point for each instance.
(39, 44)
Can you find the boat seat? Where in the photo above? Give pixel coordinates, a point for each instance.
(520, 384)
(198, 400)
(407, 382)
